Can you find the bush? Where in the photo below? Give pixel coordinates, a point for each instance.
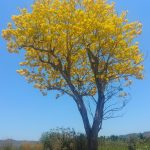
(132, 144)
(63, 139)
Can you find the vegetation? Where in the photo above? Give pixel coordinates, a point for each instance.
(68, 139)
(64, 139)
(80, 48)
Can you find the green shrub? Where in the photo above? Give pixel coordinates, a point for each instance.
(63, 139)
(132, 144)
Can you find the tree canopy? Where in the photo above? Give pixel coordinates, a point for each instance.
(85, 41)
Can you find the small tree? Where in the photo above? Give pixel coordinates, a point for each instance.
(132, 143)
(80, 48)
(114, 138)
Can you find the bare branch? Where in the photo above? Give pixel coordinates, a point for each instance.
(109, 110)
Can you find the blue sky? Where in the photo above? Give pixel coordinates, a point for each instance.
(25, 113)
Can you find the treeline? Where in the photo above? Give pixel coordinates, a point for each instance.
(68, 139)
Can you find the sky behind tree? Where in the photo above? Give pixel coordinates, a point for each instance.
(25, 113)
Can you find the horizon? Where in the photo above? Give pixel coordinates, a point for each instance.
(26, 114)
(128, 134)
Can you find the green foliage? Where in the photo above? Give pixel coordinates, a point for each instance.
(68, 139)
(126, 143)
(63, 139)
(132, 144)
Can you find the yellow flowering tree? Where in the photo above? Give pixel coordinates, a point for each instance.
(80, 48)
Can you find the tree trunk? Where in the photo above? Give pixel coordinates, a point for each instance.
(92, 142)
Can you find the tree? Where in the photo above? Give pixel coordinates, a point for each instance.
(114, 138)
(132, 143)
(80, 48)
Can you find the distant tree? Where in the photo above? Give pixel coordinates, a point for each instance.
(132, 143)
(141, 136)
(114, 138)
(80, 48)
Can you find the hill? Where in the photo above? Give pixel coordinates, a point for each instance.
(16, 143)
(144, 134)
